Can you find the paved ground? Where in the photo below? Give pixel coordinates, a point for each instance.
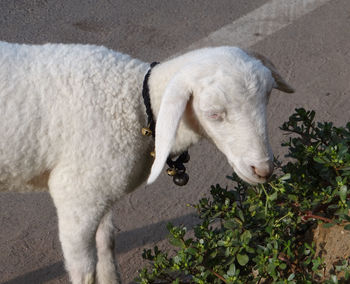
(307, 39)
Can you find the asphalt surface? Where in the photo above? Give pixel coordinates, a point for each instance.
(311, 51)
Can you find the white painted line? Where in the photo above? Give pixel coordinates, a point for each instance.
(260, 23)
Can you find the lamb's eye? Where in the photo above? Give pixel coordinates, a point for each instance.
(214, 116)
(217, 116)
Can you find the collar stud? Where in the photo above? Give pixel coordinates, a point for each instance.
(146, 131)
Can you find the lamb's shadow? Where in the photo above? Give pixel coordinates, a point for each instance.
(150, 234)
(125, 241)
(41, 275)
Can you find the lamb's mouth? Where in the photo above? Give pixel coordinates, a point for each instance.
(252, 178)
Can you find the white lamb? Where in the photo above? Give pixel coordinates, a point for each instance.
(76, 111)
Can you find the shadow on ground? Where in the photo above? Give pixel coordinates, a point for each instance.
(125, 241)
(41, 275)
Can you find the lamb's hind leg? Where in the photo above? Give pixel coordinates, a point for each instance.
(107, 270)
(80, 209)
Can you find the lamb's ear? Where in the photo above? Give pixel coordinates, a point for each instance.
(281, 84)
(172, 107)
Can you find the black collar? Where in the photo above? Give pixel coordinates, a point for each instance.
(176, 168)
(147, 101)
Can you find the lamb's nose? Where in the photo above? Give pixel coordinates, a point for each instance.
(263, 170)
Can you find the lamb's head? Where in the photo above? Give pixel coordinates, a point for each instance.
(226, 91)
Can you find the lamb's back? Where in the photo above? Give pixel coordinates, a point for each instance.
(65, 102)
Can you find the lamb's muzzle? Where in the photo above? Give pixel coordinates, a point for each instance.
(263, 170)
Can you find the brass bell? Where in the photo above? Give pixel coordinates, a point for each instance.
(153, 154)
(171, 172)
(146, 131)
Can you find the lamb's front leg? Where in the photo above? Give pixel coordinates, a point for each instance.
(80, 208)
(77, 235)
(107, 269)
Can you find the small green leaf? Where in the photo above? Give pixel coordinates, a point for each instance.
(246, 236)
(192, 251)
(221, 243)
(285, 177)
(319, 160)
(283, 266)
(177, 259)
(249, 250)
(343, 192)
(273, 196)
(230, 224)
(334, 279)
(200, 259)
(242, 259)
(176, 242)
(232, 270)
(214, 253)
(271, 268)
(240, 214)
(347, 227)
(228, 252)
(333, 206)
(292, 197)
(238, 221)
(188, 242)
(291, 277)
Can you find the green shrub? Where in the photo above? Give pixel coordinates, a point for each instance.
(257, 234)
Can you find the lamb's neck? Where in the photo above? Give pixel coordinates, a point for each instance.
(161, 74)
